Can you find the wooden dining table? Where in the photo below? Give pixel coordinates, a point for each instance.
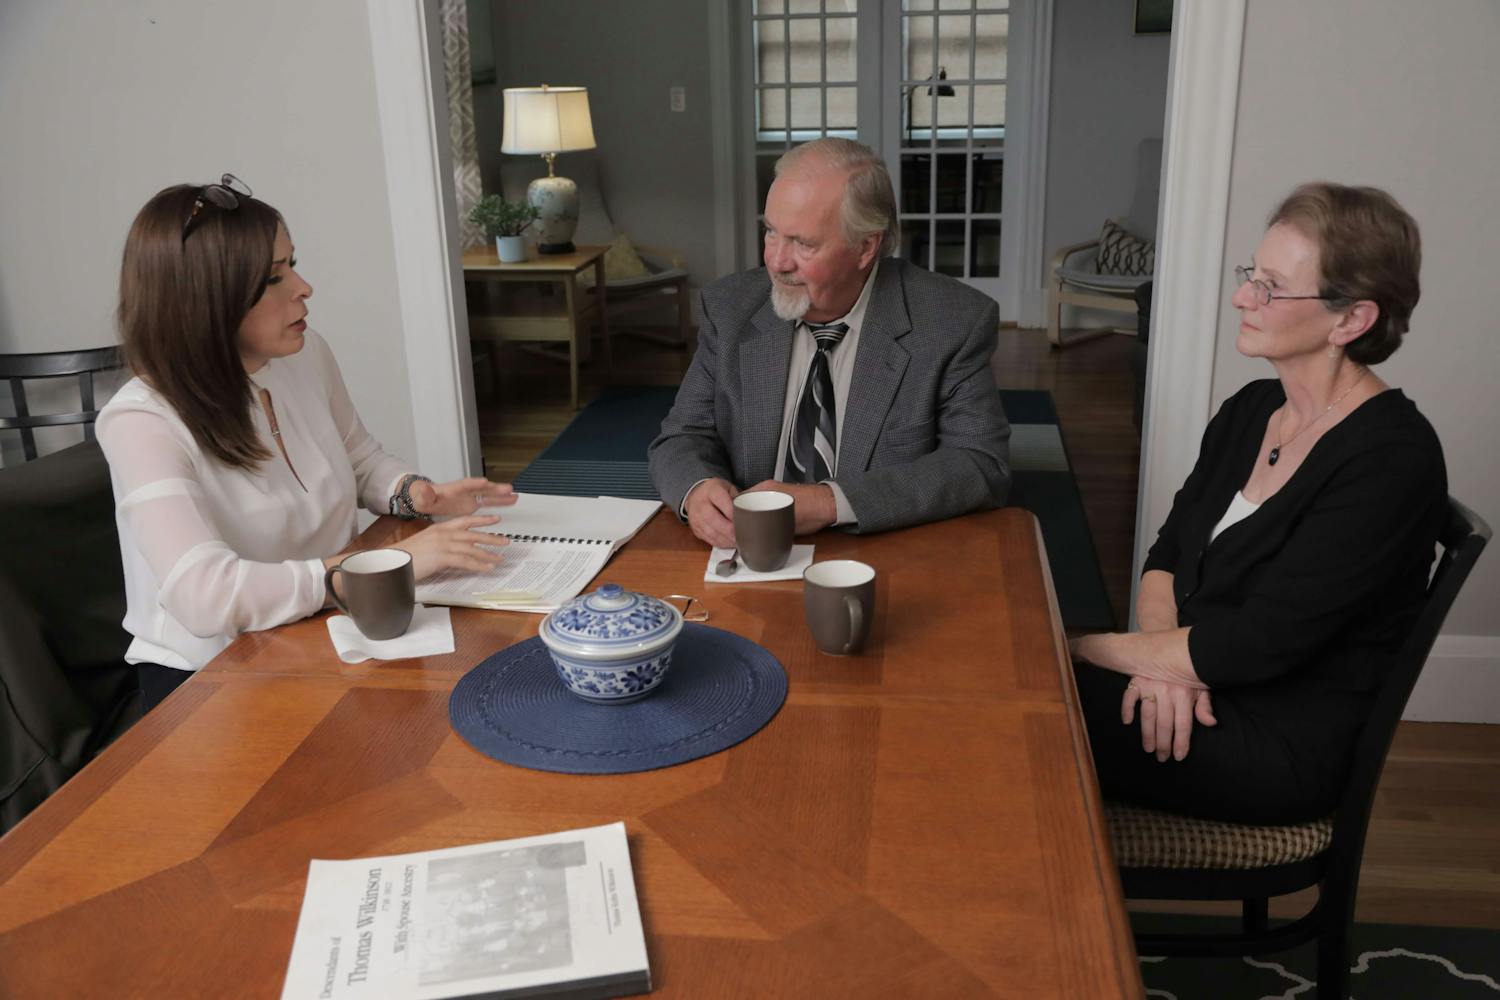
(921, 819)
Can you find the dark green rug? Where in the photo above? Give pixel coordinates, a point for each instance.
(1390, 962)
(603, 453)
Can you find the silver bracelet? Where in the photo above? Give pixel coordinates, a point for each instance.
(401, 504)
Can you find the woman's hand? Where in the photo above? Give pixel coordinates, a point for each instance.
(454, 544)
(461, 496)
(1167, 714)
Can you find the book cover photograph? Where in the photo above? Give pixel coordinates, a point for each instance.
(554, 915)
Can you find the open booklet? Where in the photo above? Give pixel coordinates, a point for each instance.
(557, 545)
(552, 916)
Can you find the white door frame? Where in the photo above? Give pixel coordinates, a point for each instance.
(1023, 196)
(1203, 88)
(406, 48)
(1203, 93)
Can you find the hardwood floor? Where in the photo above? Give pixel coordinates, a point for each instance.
(1092, 386)
(1433, 853)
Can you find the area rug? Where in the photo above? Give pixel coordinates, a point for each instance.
(1390, 962)
(602, 452)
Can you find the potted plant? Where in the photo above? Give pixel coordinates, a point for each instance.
(504, 222)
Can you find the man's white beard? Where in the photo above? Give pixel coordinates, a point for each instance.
(790, 302)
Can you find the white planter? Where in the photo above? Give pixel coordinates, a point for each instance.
(512, 249)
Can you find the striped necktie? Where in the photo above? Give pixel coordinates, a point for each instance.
(813, 443)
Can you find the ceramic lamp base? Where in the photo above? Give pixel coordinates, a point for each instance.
(556, 199)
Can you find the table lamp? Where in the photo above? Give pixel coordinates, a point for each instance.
(546, 121)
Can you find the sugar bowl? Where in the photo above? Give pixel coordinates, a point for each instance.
(612, 646)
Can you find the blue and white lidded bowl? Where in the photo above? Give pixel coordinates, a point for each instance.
(612, 646)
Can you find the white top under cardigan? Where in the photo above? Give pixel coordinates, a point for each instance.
(1239, 509)
(211, 551)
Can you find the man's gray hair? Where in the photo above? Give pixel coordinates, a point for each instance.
(869, 204)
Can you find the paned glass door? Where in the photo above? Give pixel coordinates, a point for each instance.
(933, 103)
(951, 142)
(806, 77)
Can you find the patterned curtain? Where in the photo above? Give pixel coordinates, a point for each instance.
(466, 186)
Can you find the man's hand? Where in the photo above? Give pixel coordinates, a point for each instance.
(710, 512)
(1167, 714)
(814, 504)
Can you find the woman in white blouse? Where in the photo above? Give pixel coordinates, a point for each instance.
(236, 455)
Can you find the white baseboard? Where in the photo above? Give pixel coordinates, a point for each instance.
(1032, 312)
(1461, 682)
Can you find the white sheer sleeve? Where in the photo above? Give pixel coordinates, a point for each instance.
(375, 472)
(202, 582)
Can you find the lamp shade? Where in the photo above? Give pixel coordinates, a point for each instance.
(546, 120)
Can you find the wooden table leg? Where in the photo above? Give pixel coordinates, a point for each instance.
(600, 303)
(570, 287)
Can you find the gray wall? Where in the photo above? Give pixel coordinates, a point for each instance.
(656, 165)
(1392, 94)
(1109, 91)
(106, 103)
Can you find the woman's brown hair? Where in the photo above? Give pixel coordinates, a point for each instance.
(182, 300)
(1368, 248)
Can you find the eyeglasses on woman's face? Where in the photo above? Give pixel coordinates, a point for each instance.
(1263, 293)
(226, 195)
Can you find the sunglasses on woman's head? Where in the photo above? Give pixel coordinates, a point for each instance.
(226, 195)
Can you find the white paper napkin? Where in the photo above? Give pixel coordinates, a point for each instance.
(430, 634)
(799, 560)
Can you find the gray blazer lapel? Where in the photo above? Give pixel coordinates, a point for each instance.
(878, 368)
(765, 356)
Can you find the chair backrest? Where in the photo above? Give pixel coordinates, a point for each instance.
(65, 687)
(18, 368)
(1463, 537)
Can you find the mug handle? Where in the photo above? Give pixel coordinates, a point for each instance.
(856, 621)
(328, 586)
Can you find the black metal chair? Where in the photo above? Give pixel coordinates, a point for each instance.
(17, 369)
(1164, 856)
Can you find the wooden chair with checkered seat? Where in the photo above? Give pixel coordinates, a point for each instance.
(1165, 856)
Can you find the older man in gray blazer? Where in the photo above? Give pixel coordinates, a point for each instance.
(856, 382)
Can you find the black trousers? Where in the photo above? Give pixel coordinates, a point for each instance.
(157, 682)
(1239, 770)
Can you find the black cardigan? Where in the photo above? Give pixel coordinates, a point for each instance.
(1296, 611)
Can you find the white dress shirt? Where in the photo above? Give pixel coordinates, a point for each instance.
(210, 551)
(840, 369)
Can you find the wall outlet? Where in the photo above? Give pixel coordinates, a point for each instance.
(679, 98)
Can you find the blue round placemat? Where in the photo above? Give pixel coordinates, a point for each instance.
(720, 690)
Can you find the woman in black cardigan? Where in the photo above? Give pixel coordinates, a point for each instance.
(1296, 555)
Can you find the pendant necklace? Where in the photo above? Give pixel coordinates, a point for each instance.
(1276, 451)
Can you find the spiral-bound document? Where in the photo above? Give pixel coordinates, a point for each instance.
(557, 545)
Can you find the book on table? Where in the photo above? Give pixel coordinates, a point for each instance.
(548, 916)
(557, 545)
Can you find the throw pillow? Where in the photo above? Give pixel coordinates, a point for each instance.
(1120, 252)
(620, 261)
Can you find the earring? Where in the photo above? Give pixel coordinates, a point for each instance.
(1333, 351)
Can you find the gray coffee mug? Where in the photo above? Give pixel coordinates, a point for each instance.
(764, 522)
(838, 596)
(380, 591)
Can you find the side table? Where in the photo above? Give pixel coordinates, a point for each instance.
(482, 264)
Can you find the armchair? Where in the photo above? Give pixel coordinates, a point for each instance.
(1073, 271)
